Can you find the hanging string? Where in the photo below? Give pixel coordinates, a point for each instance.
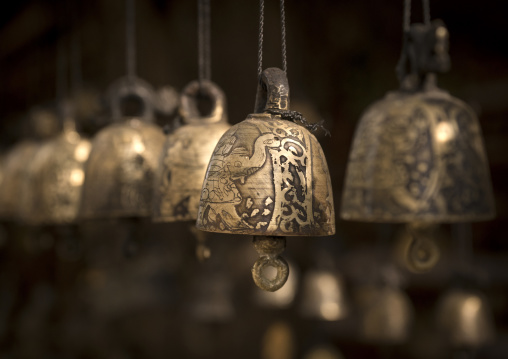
(130, 38)
(283, 36)
(204, 40)
(61, 78)
(406, 24)
(426, 12)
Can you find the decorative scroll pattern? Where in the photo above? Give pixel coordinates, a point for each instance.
(260, 181)
(418, 157)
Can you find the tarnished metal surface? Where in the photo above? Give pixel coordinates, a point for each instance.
(268, 176)
(57, 177)
(14, 199)
(418, 154)
(186, 154)
(120, 171)
(465, 318)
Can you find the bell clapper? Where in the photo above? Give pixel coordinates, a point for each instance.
(422, 253)
(203, 251)
(269, 249)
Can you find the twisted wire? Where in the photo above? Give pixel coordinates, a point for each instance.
(283, 36)
(260, 38)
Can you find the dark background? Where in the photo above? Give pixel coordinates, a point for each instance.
(341, 58)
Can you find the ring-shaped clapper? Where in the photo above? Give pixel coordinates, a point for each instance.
(420, 242)
(270, 285)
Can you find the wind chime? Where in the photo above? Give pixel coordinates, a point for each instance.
(268, 176)
(124, 157)
(184, 159)
(418, 155)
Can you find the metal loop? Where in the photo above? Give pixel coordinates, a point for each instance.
(270, 285)
(189, 103)
(422, 254)
(132, 86)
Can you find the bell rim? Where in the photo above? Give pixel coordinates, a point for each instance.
(255, 232)
(426, 219)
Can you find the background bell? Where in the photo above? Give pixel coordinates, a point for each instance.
(418, 154)
(186, 152)
(120, 171)
(465, 318)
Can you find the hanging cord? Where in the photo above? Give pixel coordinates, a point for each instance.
(204, 40)
(130, 28)
(293, 116)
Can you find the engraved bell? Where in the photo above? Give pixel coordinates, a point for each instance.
(465, 318)
(418, 154)
(57, 176)
(268, 177)
(186, 152)
(120, 171)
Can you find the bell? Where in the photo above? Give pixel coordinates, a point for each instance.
(323, 296)
(57, 177)
(268, 177)
(386, 314)
(465, 318)
(418, 154)
(186, 152)
(120, 171)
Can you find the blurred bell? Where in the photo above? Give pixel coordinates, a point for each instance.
(418, 154)
(57, 175)
(278, 342)
(121, 167)
(323, 296)
(465, 318)
(386, 314)
(183, 162)
(323, 351)
(268, 177)
(211, 299)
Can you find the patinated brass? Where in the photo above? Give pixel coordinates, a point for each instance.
(418, 154)
(465, 318)
(15, 201)
(120, 171)
(268, 177)
(57, 177)
(184, 159)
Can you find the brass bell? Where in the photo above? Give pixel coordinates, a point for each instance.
(386, 314)
(186, 152)
(323, 296)
(418, 154)
(120, 171)
(465, 318)
(57, 176)
(268, 177)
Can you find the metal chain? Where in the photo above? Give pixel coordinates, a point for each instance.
(130, 33)
(283, 36)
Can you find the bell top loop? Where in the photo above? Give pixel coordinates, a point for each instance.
(189, 103)
(424, 52)
(273, 91)
(132, 86)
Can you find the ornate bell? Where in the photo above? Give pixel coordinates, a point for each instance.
(418, 154)
(57, 177)
(465, 318)
(186, 152)
(323, 296)
(386, 314)
(121, 168)
(268, 177)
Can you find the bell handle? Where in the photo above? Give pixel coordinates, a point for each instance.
(270, 284)
(132, 86)
(273, 91)
(189, 110)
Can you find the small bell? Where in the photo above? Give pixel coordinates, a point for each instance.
(268, 177)
(121, 167)
(186, 152)
(386, 314)
(323, 296)
(418, 154)
(465, 318)
(57, 176)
